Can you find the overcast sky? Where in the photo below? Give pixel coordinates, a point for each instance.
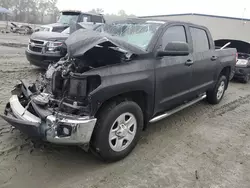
(239, 8)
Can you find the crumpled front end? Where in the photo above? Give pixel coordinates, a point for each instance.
(38, 115)
(59, 107)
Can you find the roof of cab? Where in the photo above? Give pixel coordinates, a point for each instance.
(80, 12)
(163, 21)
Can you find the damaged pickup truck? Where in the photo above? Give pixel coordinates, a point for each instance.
(112, 83)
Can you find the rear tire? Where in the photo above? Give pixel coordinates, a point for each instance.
(215, 95)
(117, 130)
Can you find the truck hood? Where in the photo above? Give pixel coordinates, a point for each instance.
(83, 40)
(241, 46)
(49, 36)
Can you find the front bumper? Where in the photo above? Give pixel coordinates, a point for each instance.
(42, 60)
(57, 128)
(79, 130)
(241, 72)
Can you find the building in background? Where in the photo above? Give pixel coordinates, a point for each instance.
(221, 27)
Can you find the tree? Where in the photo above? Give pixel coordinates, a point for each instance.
(122, 13)
(53, 11)
(45, 11)
(97, 11)
(34, 11)
(7, 3)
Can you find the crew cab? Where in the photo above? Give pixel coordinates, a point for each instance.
(113, 83)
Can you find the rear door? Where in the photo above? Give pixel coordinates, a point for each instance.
(173, 76)
(204, 60)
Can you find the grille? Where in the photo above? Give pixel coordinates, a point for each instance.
(35, 49)
(37, 41)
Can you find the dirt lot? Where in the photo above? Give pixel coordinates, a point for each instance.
(12, 39)
(202, 146)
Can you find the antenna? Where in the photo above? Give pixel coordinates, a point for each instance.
(243, 15)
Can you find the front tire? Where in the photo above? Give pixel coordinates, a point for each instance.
(117, 130)
(246, 79)
(215, 95)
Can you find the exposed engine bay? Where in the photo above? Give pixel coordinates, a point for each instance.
(65, 88)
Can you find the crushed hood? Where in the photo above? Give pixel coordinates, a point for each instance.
(83, 40)
(49, 36)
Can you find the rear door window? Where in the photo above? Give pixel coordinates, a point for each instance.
(58, 29)
(85, 18)
(174, 34)
(200, 39)
(97, 19)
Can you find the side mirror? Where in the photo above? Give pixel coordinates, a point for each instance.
(175, 49)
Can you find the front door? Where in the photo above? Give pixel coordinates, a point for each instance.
(173, 75)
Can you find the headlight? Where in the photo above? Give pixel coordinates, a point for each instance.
(242, 62)
(52, 46)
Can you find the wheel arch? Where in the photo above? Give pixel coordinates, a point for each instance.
(226, 71)
(139, 97)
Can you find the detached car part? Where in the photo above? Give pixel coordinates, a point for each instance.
(23, 29)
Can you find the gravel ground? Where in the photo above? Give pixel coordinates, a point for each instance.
(202, 146)
(12, 39)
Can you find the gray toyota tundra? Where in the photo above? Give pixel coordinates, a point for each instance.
(113, 83)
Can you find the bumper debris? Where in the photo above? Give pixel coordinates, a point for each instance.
(55, 127)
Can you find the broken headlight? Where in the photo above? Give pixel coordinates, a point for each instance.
(54, 46)
(77, 86)
(242, 62)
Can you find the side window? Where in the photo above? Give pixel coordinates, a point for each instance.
(200, 39)
(85, 18)
(175, 33)
(97, 19)
(58, 29)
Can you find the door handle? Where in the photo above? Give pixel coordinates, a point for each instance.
(213, 58)
(189, 62)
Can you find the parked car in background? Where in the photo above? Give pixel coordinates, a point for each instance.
(113, 83)
(242, 68)
(45, 47)
(67, 16)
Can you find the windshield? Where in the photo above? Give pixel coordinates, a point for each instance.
(44, 29)
(138, 34)
(66, 31)
(66, 17)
